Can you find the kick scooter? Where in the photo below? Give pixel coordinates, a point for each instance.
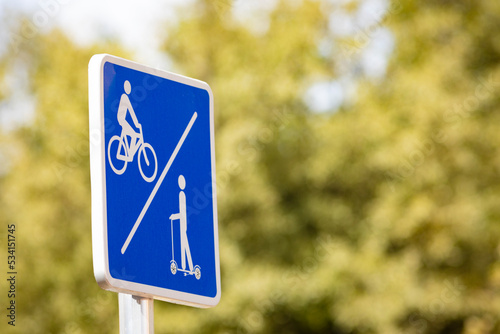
(196, 271)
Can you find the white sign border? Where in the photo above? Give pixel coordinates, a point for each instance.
(98, 187)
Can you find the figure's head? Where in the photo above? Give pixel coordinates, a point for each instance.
(182, 182)
(127, 87)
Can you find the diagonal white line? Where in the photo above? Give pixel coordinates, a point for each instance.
(158, 183)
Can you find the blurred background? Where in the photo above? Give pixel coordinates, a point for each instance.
(358, 160)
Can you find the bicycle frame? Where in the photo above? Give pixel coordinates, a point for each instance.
(129, 154)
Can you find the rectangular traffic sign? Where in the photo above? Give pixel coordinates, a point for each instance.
(154, 207)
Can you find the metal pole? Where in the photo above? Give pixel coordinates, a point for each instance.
(136, 314)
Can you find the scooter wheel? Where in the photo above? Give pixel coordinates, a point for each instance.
(197, 272)
(173, 267)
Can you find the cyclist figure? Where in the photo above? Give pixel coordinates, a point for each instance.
(127, 129)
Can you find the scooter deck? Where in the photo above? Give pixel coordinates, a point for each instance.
(186, 272)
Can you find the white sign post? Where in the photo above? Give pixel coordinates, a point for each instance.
(136, 314)
(154, 203)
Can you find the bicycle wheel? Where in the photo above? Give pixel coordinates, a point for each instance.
(148, 165)
(117, 165)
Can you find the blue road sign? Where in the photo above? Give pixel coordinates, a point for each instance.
(154, 211)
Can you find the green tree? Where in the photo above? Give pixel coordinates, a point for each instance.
(379, 217)
(46, 194)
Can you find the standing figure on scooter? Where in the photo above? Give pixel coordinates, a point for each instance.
(182, 217)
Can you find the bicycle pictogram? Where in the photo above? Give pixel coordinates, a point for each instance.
(130, 141)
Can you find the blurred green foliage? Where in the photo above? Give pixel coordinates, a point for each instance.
(380, 217)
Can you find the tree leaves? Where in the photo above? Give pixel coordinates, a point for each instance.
(380, 217)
